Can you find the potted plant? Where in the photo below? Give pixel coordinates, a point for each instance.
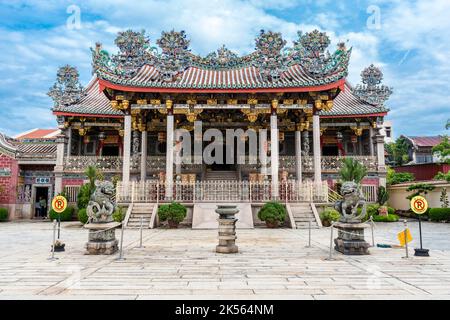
(328, 216)
(382, 198)
(273, 213)
(173, 212)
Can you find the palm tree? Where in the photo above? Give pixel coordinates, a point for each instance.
(352, 170)
(91, 173)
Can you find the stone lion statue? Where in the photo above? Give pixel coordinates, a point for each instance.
(353, 198)
(100, 207)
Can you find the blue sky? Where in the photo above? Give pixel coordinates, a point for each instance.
(409, 40)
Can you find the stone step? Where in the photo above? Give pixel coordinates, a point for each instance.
(306, 226)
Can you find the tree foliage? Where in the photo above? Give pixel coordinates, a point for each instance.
(398, 151)
(398, 177)
(352, 170)
(442, 150)
(419, 189)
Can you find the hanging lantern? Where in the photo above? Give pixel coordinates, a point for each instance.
(161, 136)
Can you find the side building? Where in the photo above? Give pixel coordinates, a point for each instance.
(27, 164)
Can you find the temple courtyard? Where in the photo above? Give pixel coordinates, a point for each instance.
(271, 264)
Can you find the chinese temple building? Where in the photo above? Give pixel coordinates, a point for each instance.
(125, 120)
(27, 164)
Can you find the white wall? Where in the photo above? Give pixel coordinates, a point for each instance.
(398, 194)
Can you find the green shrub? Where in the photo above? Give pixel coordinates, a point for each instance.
(174, 211)
(329, 215)
(382, 196)
(391, 210)
(388, 218)
(82, 216)
(66, 215)
(372, 209)
(399, 177)
(439, 214)
(442, 176)
(84, 195)
(119, 214)
(272, 212)
(3, 214)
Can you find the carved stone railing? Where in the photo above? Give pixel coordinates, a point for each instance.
(103, 163)
(328, 163)
(222, 191)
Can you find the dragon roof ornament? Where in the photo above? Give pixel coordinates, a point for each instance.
(372, 91)
(269, 58)
(222, 58)
(174, 58)
(67, 88)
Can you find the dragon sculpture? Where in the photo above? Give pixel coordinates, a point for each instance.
(101, 207)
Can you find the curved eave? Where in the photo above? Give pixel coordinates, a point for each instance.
(77, 114)
(334, 85)
(367, 115)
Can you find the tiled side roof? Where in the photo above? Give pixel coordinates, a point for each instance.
(96, 103)
(92, 102)
(36, 148)
(346, 103)
(426, 141)
(38, 134)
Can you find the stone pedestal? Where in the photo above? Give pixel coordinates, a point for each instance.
(102, 238)
(350, 240)
(227, 229)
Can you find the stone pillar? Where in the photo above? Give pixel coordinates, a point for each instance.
(316, 149)
(263, 151)
(379, 140)
(274, 164)
(69, 142)
(135, 143)
(126, 149)
(372, 151)
(59, 167)
(143, 155)
(298, 155)
(169, 152)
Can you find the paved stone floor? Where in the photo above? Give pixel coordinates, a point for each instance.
(271, 264)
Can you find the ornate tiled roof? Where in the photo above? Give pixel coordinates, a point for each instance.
(347, 103)
(306, 64)
(30, 150)
(92, 101)
(95, 102)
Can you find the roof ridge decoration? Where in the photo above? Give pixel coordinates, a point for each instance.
(270, 58)
(174, 58)
(268, 55)
(133, 52)
(6, 146)
(372, 91)
(219, 59)
(67, 88)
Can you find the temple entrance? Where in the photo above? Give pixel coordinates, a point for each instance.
(40, 202)
(221, 164)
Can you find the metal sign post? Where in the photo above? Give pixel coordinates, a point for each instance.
(59, 205)
(53, 244)
(419, 206)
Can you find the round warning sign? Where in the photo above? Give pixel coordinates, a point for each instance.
(59, 204)
(419, 205)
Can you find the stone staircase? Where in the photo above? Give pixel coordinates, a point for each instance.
(139, 210)
(302, 213)
(221, 175)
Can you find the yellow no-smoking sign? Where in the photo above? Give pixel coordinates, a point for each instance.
(59, 204)
(419, 205)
